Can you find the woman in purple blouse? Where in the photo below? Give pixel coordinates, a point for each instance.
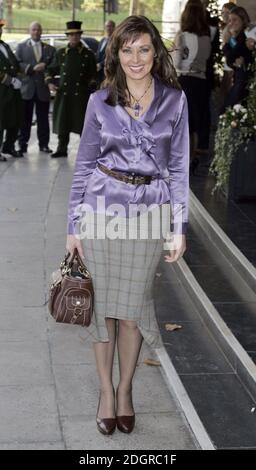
(132, 165)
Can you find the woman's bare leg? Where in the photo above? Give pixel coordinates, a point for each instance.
(104, 355)
(129, 341)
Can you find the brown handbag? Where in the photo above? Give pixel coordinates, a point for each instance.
(71, 292)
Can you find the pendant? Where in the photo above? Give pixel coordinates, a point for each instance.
(136, 109)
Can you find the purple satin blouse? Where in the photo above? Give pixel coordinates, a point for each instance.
(157, 144)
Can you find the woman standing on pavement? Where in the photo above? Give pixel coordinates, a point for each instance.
(190, 56)
(134, 150)
(226, 81)
(237, 55)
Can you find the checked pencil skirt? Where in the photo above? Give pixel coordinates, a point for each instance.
(123, 271)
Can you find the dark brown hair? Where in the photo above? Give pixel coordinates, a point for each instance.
(243, 15)
(193, 20)
(130, 29)
(197, 2)
(229, 6)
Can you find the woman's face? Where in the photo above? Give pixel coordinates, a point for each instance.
(137, 58)
(225, 14)
(235, 23)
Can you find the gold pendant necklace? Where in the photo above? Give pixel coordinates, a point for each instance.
(137, 107)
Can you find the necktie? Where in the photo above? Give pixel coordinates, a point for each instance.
(37, 51)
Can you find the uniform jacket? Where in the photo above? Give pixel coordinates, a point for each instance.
(157, 144)
(33, 81)
(10, 99)
(77, 69)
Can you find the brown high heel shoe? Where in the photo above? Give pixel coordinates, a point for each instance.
(105, 425)
(125, 423)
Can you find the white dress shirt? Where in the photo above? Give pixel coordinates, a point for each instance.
(37, 47)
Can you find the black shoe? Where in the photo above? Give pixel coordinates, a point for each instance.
(14, 153)
(17, 154)
(58, 154)
(2, 158)
(45, 149)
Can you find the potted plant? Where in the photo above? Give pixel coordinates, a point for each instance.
(234, 162)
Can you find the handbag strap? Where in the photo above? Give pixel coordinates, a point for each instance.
(66, 266)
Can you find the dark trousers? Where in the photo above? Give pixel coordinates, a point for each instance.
(63, 140)
(43, 129)
(10, 138)
(198, 95)
(205, 128)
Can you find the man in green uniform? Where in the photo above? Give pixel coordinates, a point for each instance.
(76, 66)
(10, 99)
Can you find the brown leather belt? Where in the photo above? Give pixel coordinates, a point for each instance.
(132, 178)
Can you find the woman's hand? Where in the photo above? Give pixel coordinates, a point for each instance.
(226, 35)
(239, 62)
(39, 67)
(52, 88)
(250, 43)
(177, 248)
(72, 243)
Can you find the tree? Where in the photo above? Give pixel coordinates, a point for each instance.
(41, 4)
(92, 5)
(9, 14)
(1, 9)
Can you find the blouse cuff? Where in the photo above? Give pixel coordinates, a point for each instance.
(179, 228)
(71, 228)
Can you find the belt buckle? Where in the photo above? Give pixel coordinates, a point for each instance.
(131, 178)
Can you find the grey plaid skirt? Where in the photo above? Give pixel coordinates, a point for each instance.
(123, 271)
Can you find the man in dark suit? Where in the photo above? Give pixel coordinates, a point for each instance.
(10, 99)
(100, 54)
(33, 56)
(76, 67)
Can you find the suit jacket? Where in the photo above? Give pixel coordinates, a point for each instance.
(33, 81)
(157, 143)
(100, 57)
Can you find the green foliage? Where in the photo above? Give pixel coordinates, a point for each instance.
(236, 127)
(41, 4)
(54, 20)
(151, 8)
(53, 14)
(91, 5)
(147, 7)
